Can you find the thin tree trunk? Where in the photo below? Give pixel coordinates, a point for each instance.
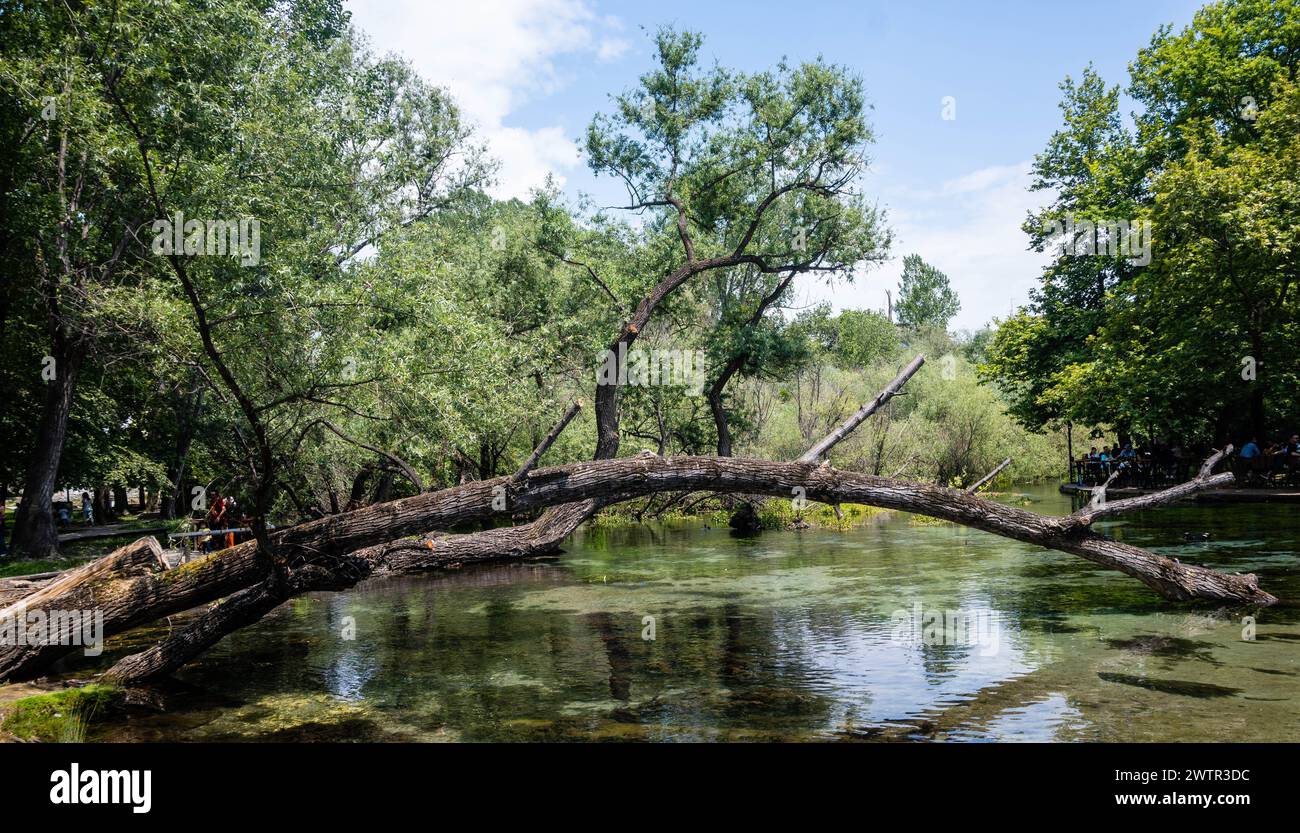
(330, 492)
(1257, 387)
(384, 488)
(733, 365)
(35, 534)
(358, 491)
(103, 512)
(177, 503)
(120, 506)
(720, 417)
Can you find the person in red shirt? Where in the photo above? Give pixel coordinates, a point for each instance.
(230, 519)
(216, 518)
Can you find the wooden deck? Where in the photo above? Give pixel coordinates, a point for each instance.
(1288, 494)
(91, 533)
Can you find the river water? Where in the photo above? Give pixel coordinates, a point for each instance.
(902, 629)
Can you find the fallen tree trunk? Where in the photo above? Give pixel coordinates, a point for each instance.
(428, 552)
(321, 554)
(17, 587)
(130, 586)
(634, 477)
(140, 557)
(230, 614)
(331, 544)
(434, 550)
(622, 479)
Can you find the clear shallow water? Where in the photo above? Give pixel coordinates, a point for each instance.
(789, 636)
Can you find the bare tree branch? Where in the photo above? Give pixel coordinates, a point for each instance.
(550, 438)
(592, 272)
(891, 390)
(983, 481)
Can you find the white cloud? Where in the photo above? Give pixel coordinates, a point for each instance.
(987, 178)
(969, 228)
(529, 155)
(494, 55)
(611, 49)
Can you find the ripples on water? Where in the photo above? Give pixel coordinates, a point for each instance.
(789, 636)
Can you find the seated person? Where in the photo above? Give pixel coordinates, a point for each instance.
(1275, 453)
(1290, 456)
(1127, 452)
(1250, 450)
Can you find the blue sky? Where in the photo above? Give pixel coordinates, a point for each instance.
(531, 73)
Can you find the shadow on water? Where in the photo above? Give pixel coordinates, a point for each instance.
(1169, 647)
(1182, 688)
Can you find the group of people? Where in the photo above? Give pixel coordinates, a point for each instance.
(1108, 454)
(1158, 464)
(222, 521)
(1271, 461)
(64, 513)
(1147, 464)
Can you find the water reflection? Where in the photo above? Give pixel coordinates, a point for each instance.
(787, 636)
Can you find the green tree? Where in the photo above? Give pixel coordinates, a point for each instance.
(925, 298)
(739, 171)
(1136, 342)
(749, 340)
(229, 111)
(68, 230)
(863, 337)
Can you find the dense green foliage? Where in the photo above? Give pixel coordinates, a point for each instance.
(1194, 337)
(244, 254)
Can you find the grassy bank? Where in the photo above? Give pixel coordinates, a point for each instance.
(772, 514)
(73, 555)
(57, 717)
